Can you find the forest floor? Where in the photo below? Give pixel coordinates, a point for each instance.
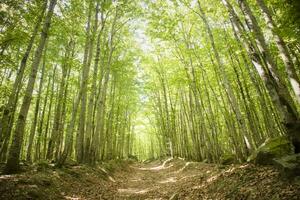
(169, 179)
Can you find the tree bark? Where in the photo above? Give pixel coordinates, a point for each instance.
(13, 164)
(58, 109)
(286, 104)
(88, 53)
(92, 98)
(41, 122)
(98, 140)
(36, 111)
(283, 50)
(9, 109)
(224, 81)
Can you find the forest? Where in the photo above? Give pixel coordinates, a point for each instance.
(128, 99)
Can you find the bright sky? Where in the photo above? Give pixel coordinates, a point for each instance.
(142, 126)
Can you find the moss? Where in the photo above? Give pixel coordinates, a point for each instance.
(272, 148)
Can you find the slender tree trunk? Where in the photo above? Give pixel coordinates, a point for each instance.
(41, 122)
(99, 130)
(88, 53)
(283, 50)
(45, 139)
(285, 102)
(256, 59)
(58, 109)
(69, 133)
(225, 82)
(59, 144)
(9, 109)
(92, 99)
(13, 164)
(37, 107)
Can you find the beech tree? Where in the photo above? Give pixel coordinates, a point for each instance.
(97, 80)
(12, 164)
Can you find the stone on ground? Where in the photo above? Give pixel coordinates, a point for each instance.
(289, 166)
(272, 149)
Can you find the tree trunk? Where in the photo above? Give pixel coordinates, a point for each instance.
(88, 53)
(96, 152)
(41, 122)
(283, 50)
(69, 133)
(36, 111)
(224, 81)
(92, 98)
(13, 164)
(273, 81)
(49, 115)
(58, 109)
(9, 109)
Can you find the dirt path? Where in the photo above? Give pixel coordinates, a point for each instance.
(149, 181)
(177, 179)
(171, 179)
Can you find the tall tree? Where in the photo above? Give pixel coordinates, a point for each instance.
(7, 119)
(88, 54)
(282, 98)
(13, 164)
(283, 49)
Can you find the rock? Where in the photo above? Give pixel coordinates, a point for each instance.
(289, 166)
(272, 149)
(227, 159)
(293, 130)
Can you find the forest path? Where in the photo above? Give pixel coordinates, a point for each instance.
(175, 179)
(156, 180)
(161, 180)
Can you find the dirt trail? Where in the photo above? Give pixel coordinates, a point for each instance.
(150, 181)
(177, 179)
(163, 180)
